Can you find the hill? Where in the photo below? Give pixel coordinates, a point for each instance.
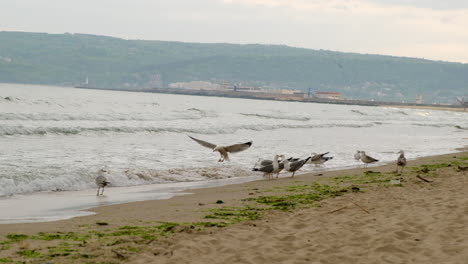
(67, 59)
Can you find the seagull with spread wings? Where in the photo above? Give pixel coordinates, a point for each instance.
(318, 159)
(224, 150)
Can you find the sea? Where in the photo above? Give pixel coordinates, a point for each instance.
(55, 140)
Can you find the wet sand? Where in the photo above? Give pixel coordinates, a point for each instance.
(415, 222)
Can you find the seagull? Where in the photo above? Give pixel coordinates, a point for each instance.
(295, 165)
(357, 155)
(270, 168)
(319, 158)
(278, 167)
(262, 163)
(401, 161)
(224, 150)
(367, 159)
(101, 182)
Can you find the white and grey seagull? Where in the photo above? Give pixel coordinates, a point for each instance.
(401, 161)
(101, 182)
(295, 165)
(357, 155)
(318, 159)
(367, 159)
(223, 150)
(268, 168)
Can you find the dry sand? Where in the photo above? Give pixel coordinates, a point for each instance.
(417, 222)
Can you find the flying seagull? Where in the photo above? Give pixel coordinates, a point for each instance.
(367, 159)
(224, 150)
(295, 165)
(101, 182)
(401, 161)
(319, 158)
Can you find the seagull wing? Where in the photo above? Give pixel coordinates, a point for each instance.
(238, 147)
(318, 156)
(298, 164)
(266, 162)
(267, 169)
(203, 143)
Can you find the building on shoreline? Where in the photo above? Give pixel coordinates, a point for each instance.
(329, 95)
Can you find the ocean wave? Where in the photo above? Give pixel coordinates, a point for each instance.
(83, 180)
(190, 114)
(358, 112)
(281, 117)
(439, 125)
(68, 117)
(19, 130)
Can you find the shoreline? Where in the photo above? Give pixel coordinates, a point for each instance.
(288, 98)
(189, 193)
(57, 206)
(410, 220)
(62, 206)
(173, 191)
(278, 97)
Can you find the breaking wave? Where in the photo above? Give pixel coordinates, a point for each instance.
(358, 112)
(118, 178)
(294, 118)
(13, 130)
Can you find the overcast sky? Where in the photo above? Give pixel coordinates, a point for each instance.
(430, 29)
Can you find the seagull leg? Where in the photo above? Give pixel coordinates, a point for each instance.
(102, 192)
(98, 191)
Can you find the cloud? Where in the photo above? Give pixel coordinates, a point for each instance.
(376, 27)
(434, 4)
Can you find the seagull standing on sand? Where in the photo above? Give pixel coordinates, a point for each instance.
(319, 158)
(268, 168)
(295, 165)
(357, 155)
(367, 159)
(401, 161)
(224, 150)
(101, 182)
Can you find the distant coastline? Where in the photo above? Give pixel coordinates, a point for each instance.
(287, 97)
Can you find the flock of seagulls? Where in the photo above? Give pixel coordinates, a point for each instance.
(273, 167)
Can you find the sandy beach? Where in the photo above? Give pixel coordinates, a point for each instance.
(347, 216)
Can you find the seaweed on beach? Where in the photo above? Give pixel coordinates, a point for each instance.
(304, 194)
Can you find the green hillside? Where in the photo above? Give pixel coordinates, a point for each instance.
(67, 59)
